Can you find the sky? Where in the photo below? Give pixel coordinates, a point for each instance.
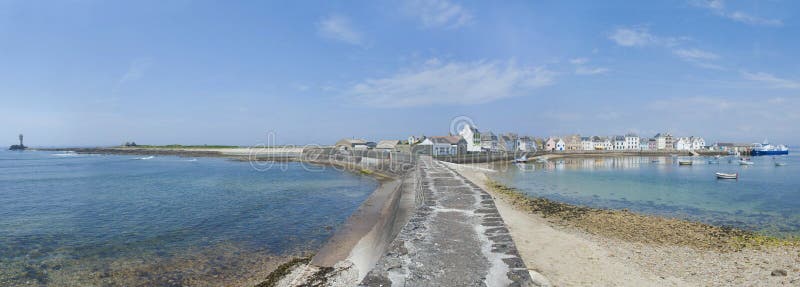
(89, 73)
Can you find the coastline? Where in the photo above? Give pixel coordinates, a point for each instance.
(353, 248)
(573, 245)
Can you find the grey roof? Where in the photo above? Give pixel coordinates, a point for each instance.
(446, 139)
(619, 138)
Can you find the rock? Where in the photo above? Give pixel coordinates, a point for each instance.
(778, 272)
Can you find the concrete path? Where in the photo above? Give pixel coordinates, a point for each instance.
(455, 238)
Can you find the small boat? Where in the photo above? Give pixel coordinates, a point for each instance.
(146, 158)
(684, 162)
(654, 161)
(523, 159)
(713, 162)
(780, 163)
(745, 162)
(721, 175)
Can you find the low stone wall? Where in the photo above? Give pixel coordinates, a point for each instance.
(356, 246)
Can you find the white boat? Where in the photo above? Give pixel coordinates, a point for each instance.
(722, 175)
(523, 159)
(745, 162)
(684, 162)
(146, 158)
(780, 163)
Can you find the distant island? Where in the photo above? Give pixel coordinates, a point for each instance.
(20, 146)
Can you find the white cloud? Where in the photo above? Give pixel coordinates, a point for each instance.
(579, 61)
(633, 37)
(695, 54)
(453, 83)
(338, 27)
(136, 70)
(439, 13)
(771, 80)
(718, 8)
(590, 71)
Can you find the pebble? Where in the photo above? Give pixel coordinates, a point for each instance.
(778, 272)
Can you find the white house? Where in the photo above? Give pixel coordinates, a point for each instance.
(446, 145)
(698, 143)
(619, 143)
(632, 142)
(586, 143)
(683, 144)
(525, 143)
(664, 141)
(489, 141)
(472, 136)
(560, 145)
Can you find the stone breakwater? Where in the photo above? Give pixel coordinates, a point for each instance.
(456, 237)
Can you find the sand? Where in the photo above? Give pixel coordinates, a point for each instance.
(570, 256)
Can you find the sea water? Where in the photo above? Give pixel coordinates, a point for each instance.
(74, 219)
(765, 198)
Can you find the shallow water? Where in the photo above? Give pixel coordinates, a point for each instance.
(68, 219)
(765, 198)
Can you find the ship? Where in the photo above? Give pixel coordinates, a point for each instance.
(766, 148)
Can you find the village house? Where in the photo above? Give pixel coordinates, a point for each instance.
(507, 142)
(539, 143)
(351, 144)
(619, 143)
(489, 141)
(445, 145)
(473, 138)
(683, 144)
(664, 141)
(698, 143)
(652, 144)
(526, 143)
(586, 143)
(598, 143)
(387, 145)
(573, 143)
(550, 144)
(644, 144)
(560, 145)
(632, 142)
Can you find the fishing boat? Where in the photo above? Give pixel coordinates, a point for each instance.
(722, 175)
(767, 149)
(684, 162)
(745, 162)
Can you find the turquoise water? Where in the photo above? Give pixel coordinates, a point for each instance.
(69, 219)
(765, 198)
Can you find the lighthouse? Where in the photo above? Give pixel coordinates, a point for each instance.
(20, 146)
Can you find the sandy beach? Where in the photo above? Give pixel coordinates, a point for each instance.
(600, 250)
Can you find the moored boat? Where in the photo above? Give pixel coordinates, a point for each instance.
(767, 149)
(780, 163)
(745, 162)
(684, 162)
(722, 175)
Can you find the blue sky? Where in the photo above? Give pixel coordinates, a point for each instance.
(227, 72)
